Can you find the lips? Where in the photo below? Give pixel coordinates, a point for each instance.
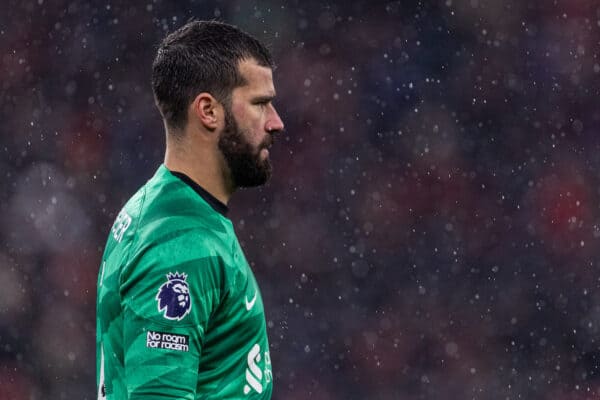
(267, 143)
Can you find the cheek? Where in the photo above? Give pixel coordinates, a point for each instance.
(252, 129)
(250, 120)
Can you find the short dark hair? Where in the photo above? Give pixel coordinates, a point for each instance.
(201, 56)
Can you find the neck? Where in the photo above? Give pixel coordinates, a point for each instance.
(203, 163)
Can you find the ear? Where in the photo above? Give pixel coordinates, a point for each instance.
(207, 110)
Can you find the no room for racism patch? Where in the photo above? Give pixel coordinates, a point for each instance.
(167, 341)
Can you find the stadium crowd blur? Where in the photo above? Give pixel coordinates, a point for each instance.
(432, 230)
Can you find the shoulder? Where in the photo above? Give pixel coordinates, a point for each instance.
(166, 223)
(170, 205)
(165, 212)
(175, 238)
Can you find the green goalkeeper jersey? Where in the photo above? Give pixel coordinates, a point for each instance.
(179, 312)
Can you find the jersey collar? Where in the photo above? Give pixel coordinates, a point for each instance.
(209, 198)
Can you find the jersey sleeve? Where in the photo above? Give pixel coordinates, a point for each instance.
(169, 289)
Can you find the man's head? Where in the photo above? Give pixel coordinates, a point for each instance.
(201, 56)
(216, 77)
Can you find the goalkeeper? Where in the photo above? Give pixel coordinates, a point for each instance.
(179, 312)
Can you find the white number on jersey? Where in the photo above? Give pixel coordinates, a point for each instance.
(121, 224)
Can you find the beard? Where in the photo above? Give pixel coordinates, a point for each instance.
(243, 159)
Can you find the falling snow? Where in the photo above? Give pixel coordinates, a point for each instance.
(432, 228)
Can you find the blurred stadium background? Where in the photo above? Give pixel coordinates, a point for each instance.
(432, 229)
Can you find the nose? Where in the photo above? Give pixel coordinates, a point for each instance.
(274, 123)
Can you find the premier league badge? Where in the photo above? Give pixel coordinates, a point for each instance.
(174, 297)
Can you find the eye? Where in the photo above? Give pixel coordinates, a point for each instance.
(263, 102)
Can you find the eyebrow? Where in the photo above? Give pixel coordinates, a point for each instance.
(263, 98)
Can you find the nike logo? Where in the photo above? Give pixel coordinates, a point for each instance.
(250, 304)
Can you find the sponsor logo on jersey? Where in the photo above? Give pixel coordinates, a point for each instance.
(254, 373)
(168, 341)
(173, 297)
